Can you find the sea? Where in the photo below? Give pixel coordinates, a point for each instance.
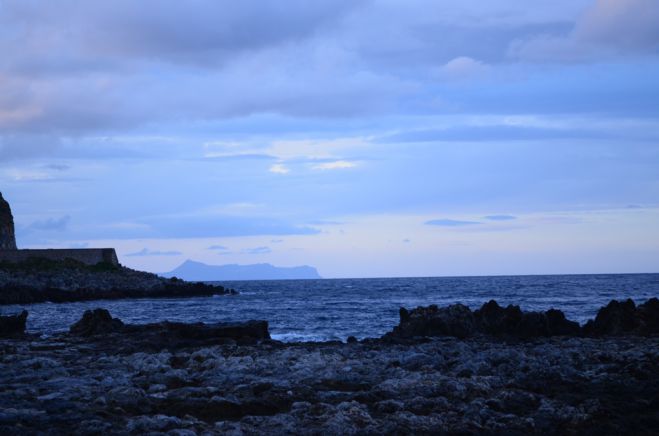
(334, 309)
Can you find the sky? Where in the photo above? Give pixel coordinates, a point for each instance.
(366, 138)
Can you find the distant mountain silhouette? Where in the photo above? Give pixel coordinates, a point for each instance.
(197, 271)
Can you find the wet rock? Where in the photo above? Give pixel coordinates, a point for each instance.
(455, 320)
(13, 325)
(614, 319)
(573, 385)
(621, 318)
(491, 319)
(648, 316)
(98, 326)
(559, 325)
(496, 320)
(96, 322)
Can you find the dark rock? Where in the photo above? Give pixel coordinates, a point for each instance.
(351, 340)
(7, 235)
(490, 319)
(495, 320)
(404, 314)
(13, 325)
(559, 325)
(200, 332)
(614, 319)
(648, 316)
(621, 318)
(100, 325)
(532, 325)
(95, 322)
(38, 280)
(455, 320)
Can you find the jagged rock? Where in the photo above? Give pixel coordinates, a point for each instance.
(495, 320)
(64, 384)
(455, 320)
(7, 235)
(157, 336)
(490, 319)
(13, 325)
(559, 325)
(620, 318)
(94, 322)
(648, 314)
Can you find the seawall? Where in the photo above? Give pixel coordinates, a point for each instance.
(88, 256)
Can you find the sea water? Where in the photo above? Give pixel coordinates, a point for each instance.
(333, 309)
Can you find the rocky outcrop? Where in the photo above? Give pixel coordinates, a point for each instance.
(39, 280)
(7, 235)
(455, 320)
(624, 318)
(99, 326)
(491, 319)
(69, 384)
(13, 325)
(95, 322)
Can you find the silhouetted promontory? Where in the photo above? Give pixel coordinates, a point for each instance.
(38, 280)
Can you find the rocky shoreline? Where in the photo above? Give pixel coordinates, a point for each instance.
(40, 280)
(104, 376)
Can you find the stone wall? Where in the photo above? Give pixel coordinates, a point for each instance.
(88, 256)
(7, 236)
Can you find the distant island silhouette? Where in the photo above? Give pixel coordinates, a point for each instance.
(197, 271)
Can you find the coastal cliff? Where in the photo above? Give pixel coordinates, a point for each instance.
(7, 234)
(38, 280)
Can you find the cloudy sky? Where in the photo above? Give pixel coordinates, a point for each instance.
(363, 137)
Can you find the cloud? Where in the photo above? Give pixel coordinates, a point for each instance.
(335, 165)
(51, 224)
(213, 227)
(279, 169)
(608, 29)
(218, 247)
(450, 223)
(500, 217)
(147, 252)
(463, 67)
(503, 132)
(325, 223)
(206, 32)
(257, 250)
(57, 167)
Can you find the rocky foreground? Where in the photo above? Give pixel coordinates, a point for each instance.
(39, 280)
(171, 378)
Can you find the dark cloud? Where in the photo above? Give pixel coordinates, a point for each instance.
(500, 217)
(608, 29)
(51, 224)
(257, 250)
(493, 133)
(221, 227)
(205, 32)
(148, 252)
(57, 167)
